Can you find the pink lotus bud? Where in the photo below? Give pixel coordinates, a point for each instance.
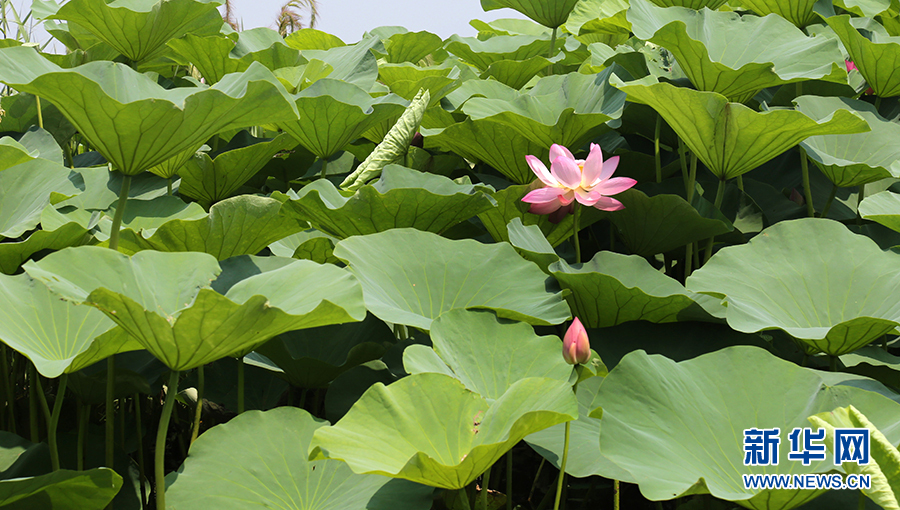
(576, 346)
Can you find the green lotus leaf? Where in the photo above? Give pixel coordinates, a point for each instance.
(114, 341)
(25, 189)
(215, 56)
(516, 73)
(729, 138)
(405, 80)
(530, 243)
(66, 490)
(312, 358)
(700, 447)
(140, 215)
(21, 114)
(428, 428)
(334, 113)
(48, 331)
(309, 245)
(312, 39)
(510, 206)
(163, 300)
(550, 13)
(140, 29)
(564, 109)
(354, 64)
(402, 197)
(852, 160)
(883, 208)
(490, 142)
(886, 466)
(836, 302)
(876, 54)
(658, 224)
(410, 46)
(613, 288)
(412, 277)
(585, 458)
(865, 8)
(211, 178)
(135, 123)
(242, 225)
(693, 4)
(13, 153)
(471, 344)
(483, 53)
(600, 21)
(275, 472)
(798, 12)
(168, 168)
(13, 255)
(733, 55)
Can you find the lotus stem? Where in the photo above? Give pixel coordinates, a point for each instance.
(160, 456)
(54, 421)
(142, 474)
(324, 167)
(859, 198)
(616, 491)
(240, 383)
(169, 186)
(682, 158)
(740, 182)
(656, 156)
(862, 501)
(562, 469)
(40, 114)
(553, 48)
(509, 468)
(110, 425)
(830, 200)
(42, 398)
(807, 189)
(84, 412)
(464, 497)
(10, 389)
(32, 406)
(195, 431)
(120, 211)
(485, 479)
(612, 237)
(692, 178)
(575, 224)
(720, 195)
(877, 104)
(832, 363)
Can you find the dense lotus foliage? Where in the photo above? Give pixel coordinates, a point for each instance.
(240, 270)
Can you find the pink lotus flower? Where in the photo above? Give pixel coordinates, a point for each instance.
(576, 345)
(851, 66)
(589, 182)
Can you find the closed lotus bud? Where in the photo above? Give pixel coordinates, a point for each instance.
(576, 346)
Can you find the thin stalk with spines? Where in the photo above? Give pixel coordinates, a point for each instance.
(552, 48)
(324, 167)
(485, 479)
(720, 195)
(142, 474)
(561, 480)
(689, 194)
(159, 459)
(807, 188)
(656, 156)
(54, 422)
(195, 430)
(575, 224)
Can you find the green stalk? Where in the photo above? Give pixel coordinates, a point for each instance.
(485, 479)
(33, 406)
(240, 383)
(41, 114)
(692, 178)
(509, 488)
(324, 166)
(832, 363)
(720, 195)
(464, 497)
(830, 200)
(84, 412)
(142, 474)
(807, 189)
(553, 48)
(575, 225)
(682, 158)
(195, 431)
(740, 182)
(160, 457)
(10, 388)
(656, 156)
(616, 491)
(120, 211)
(169, 186)
(561, 480)
(859, 198)
(877, 103)
(110, 425)
(536, 476)
(54, 421)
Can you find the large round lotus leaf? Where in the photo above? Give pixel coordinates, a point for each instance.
(210, 178)
(429, 428)
(333, 113)
(412, 277)
(66, 490)
(402, 197)
(852, 160)
(550, 13)
(733, 55)
(473, 344)
(354, 64)
(21, 116)
(482, 54)
(259, 460)
(658, 224)
(215, 56)
(139, 215)
(135, 123)
(242, 225)
(490, 142)
(836, 301)
(163, 300)
(729, 138)
(517, 73)
(13, 255)
(410, 46)
(689, 417)
(600, 21)
(876, 55)
(563, 109)
(613, 288)
(25, 190)
(406, 79)
(168, 168)
(693, 4)
(798, 12)
(312, 358)
(49, 331)
(883, 208)
(585, 458)
(139, 29)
